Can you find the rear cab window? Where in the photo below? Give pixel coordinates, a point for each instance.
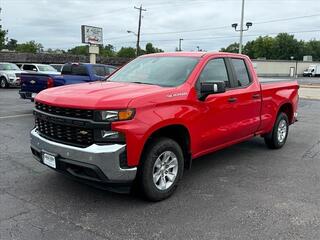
(74, 69)
(241, 72)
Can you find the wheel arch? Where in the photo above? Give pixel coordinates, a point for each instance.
(287, 108)
(177, 132)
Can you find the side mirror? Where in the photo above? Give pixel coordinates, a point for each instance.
(208, 88)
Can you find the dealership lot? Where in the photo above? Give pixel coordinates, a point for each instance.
(244, 192)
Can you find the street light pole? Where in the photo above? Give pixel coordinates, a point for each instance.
(241, 30)
(180, 39)
(128, 31)
(241, 27)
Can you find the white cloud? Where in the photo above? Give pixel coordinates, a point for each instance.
(56, 23)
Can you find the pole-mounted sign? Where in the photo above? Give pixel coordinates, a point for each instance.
(91, 35)
(94, 37)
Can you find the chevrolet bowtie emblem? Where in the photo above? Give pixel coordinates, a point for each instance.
(32, 81)
(83, 132)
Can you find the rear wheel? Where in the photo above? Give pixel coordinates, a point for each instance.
(3, 83)
(161, 169)
(278, 137)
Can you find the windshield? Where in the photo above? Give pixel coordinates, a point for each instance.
(46, 68)
(162, 71)
(9, 66)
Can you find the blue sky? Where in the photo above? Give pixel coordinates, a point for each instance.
(203, 23)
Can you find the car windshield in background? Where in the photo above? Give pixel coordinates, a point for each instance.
(9, 67)
(46, 68)
(162, 71)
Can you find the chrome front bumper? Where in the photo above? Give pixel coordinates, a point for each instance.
(101, 157)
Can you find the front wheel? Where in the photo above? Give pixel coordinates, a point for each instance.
(3, 83)
(161, 169)
(278, 137)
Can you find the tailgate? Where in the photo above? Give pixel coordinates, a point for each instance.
(34, 82)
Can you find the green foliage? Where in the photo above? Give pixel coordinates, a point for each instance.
(3, 38)
(127, 52)
(313, 48)
(232, 48)
(282, 47)
(151, 49)
(79, 50)
(29, 47)
(107, 51)
(12, 44)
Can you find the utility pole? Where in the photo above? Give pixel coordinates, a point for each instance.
(241, 27)
(241, 30)
(139, 27)
(180, 39)
(0, 16)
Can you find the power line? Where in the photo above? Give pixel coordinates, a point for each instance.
(219, 27)
(224, 37)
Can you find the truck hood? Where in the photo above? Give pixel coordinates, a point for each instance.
(97, 95)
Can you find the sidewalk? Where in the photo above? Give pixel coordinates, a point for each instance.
(309, 92)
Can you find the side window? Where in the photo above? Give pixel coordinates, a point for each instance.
(29, 67)
(215, 70)
(80, 70)
(66, 69)
(99, 70)
(241, 72)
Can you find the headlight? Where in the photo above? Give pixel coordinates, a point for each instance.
(11, 75)
(117, 115)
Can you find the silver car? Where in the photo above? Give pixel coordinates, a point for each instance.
(9, 75)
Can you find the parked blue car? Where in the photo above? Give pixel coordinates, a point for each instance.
(33, 83)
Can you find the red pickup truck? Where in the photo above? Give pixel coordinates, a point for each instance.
(149, 119)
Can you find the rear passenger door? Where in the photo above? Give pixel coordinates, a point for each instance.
(246, 97)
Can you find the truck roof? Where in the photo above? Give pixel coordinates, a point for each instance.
(192, 54)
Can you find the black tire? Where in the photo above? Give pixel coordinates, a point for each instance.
(3, 83)
(272, 140)
(153, 151)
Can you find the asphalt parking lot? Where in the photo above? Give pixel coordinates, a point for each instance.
(243, 192)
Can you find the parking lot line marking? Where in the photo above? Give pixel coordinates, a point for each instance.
(16, 116)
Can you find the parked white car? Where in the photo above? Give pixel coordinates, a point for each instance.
(39, 68)
(9, 75)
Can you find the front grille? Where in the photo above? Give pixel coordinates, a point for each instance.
(72, 135)
(67, 112)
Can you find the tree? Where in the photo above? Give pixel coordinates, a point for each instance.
(263, 47)
(313, 48)
(285, 46)
(107, 50)
(151, 49)
(232, 48)
(127, 52)
(29, 47)
(79, 50)
(3, 38)
(12, 44)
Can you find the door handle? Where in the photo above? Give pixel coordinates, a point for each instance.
(256, 96)
(232, 99)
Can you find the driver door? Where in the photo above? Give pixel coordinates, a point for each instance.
(217, 121)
